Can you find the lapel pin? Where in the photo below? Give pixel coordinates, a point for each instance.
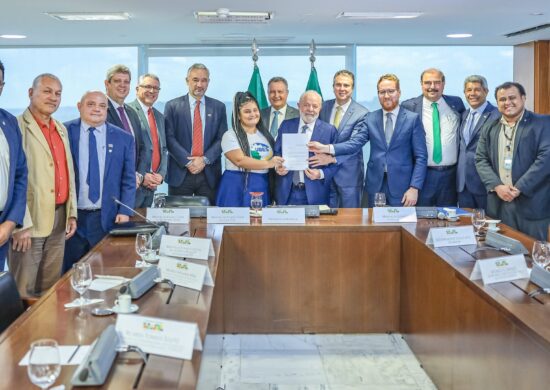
(208, 114)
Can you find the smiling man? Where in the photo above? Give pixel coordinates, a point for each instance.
(513, 162)
(273, 116)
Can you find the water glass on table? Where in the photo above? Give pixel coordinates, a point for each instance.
(379, 199)
(44, 363)
(81, 279)
(478, 220)
(144, 245)
(541, 253)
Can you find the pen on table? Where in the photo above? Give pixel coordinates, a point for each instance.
(74, 353)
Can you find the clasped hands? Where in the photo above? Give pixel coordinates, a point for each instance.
(152, 180)
(506, 192)
(196, 165)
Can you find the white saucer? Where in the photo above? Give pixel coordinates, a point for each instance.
(133, 309)
(497, 229)
(153, 261)
(450, 219)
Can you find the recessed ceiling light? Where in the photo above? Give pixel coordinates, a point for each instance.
(224, 15)
(378, 15)
(459, 35)
(13, 36)
(89, 16)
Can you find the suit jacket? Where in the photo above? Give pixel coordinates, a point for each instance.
(406, 157)
(140, 150)
(530, 165)
(14, 209)
(317, 190)
(415, 104)
(40, 211)
(352, 136)
(179, 138)
(119, 179)
(290, 113)
(466, 172)
(148, 142)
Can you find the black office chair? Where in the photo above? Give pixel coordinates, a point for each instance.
(11, 305)
(176, 201)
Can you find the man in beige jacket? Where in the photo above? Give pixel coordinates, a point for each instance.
(37, 250)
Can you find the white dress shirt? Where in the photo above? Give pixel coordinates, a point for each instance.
(345, 107)
(448, 123)
(280, 118)
(116, 106)
(4, 169)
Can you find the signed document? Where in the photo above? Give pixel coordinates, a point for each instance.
(295, 152)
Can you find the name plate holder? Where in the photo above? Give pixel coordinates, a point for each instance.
(188, 247)
(451, 236)
(170, 215)
(184, 273)
(394, 214)
(228, 215)
(500, 269)
(284, 215)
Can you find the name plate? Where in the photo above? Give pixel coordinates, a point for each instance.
(394, 214)
(451, 236)
(283, 215)
(184, 273)
(158, 336)
(228, 215)
(500, 269)
(189, 247)
(168, 215)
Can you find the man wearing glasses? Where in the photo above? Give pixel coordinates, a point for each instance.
(154, 139)
(398, 155)
(441, 119)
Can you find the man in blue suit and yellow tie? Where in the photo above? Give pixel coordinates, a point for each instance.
(398, 155)
(104, 166)
(13, 177)
(470, 189)
(348, 117)
(312, 185)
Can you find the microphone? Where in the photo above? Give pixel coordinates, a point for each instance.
(137, 213)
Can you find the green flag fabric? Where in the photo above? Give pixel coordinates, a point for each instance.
(256, 88)
(313, 82)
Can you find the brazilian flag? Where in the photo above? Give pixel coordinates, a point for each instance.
(313, 82)
(256, 88)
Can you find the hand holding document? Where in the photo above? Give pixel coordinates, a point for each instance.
(295, 152)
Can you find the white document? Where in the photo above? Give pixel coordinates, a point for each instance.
(184, 273)
(451, 236)
(228, 215)
(169, 215)
(283, 215)
(394, 214)
(69, 355)
(500, 269)
(158, 336)
(188, 247)
(295, 152)
(104, 284)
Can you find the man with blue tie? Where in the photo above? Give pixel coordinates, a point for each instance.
(13, 177)
(470, 189)
(312, 185)
(279, 111)
(348, 117)
(441, 118)
(398, 155)
(195, 125)
(104, 171)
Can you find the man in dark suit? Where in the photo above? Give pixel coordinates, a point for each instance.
(398, 155)
(195, 125)
(279, 111)
(348, 117)
(117, 85)
(310, 186)
(513, 162)
(154, 138)
(470, 189)
(103, 157)
(13, 177)
(441, 118)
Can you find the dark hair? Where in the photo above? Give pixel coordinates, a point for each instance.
(508, 85)
(278, 79)
(2, 69)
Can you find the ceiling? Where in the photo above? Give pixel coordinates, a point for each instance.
(172, 22)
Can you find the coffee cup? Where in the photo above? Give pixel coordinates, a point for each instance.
(492, 224)
(451, 213)
(124, 303)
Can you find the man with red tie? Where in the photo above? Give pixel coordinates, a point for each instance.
(154, 139)
(195, 125)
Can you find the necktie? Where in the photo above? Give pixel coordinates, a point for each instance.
(275, 124)
(389, 127)
(124, 119)
(437, 152)
(337, 117)
(93, 167)
(469, 127)
(155, 158)
(197, 148)
(298, 176)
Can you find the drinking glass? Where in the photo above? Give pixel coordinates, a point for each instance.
(81, 278)
(541, 253)
(44, 363)
(144, 245)
(256, 202)
(159, 200)
(478, 220)
(379, 199)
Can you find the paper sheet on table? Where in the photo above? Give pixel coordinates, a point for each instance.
(65, 353)
(101, 284)
(295, 151)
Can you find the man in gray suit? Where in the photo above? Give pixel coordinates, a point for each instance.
(513, 161)
(273, 116)
(349, 117)
(154, 138)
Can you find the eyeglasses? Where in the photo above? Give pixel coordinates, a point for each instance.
(150, 88)
(387, 92)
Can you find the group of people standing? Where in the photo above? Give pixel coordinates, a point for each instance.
(64, 186)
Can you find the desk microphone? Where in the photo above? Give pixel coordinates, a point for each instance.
(137, 213)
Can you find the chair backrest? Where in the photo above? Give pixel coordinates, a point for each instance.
(11, 305)
(186, 201)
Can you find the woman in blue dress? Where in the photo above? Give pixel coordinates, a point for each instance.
(248, 151)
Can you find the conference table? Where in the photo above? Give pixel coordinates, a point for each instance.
(334, 274)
